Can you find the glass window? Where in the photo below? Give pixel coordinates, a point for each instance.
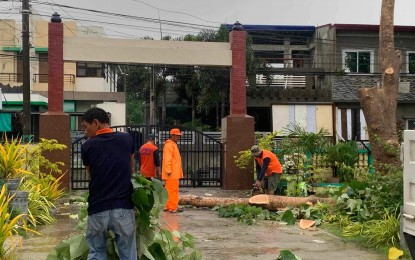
(90, 69)
(19, 67)
(411, 62)
(357, 61)
(43, 67)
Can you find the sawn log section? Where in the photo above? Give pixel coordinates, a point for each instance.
(275, 202)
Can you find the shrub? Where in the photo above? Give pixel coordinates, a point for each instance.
(12, 159)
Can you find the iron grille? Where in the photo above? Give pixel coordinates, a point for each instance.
(411, 124)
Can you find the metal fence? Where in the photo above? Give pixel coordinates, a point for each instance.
(201, 152)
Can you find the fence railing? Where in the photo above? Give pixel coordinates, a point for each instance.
(201, 153)
(281, 81)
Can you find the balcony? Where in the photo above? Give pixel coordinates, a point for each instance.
(39, 81)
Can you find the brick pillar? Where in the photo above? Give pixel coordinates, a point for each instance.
(238, 127)
(55, 124)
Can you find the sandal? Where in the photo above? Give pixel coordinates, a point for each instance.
(176, 211)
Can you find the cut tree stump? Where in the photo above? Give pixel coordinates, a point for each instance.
(275, 202)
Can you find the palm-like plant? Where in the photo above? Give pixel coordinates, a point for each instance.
(9, 224)
(307, 142)
(12, 159)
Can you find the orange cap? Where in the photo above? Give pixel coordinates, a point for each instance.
(175, 131)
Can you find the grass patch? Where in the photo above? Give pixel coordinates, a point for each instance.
(361, 242)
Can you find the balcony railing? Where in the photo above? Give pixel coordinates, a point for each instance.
(282, 81)
(11, 77)
(37, 78)
(43, 78)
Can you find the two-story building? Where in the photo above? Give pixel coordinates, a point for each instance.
(351, 54)
(314, 74)
(86, 83)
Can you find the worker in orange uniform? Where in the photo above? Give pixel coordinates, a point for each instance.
(149, 159)
(267, 166)
(172, 170)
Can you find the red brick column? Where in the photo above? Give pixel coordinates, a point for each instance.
(55, 124)
(237, 128)
(238, 72)
(55, 58)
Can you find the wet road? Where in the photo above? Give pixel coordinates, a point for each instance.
(217, 238)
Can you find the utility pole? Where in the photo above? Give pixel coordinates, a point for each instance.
(27, 122)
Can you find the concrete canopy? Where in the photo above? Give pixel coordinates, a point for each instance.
(124, 51)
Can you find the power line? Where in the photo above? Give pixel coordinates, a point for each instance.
(175, 12)
(143, 28)
(140, 18)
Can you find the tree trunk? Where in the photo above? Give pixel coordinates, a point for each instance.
(275, 202)
(379, 104)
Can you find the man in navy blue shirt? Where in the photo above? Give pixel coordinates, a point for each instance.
(109, 159)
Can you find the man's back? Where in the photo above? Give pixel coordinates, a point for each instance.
(108, 156)
(148, 161)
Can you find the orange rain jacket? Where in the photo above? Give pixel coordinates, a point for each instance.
(274, 164)
(172, 162)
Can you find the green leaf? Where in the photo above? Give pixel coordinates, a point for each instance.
(78, 246)
(52, 255)
(61, 251)
(288, 217)
(140, 198)
(157, 251)
(144, 218)
(286, 255)
(83, 213)
(158, 185)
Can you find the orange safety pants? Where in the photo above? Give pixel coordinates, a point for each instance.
(172, 187)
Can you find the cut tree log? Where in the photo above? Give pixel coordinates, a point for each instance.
(275, 202)
(260, 199)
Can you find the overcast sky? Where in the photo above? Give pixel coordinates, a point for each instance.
(190, 16)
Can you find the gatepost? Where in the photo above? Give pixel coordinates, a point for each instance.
(237, 128)
(55, 124)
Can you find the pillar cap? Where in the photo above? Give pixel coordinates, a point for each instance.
(237, 26)
(56, 18)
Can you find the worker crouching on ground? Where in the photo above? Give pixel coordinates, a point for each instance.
(171, 170)
(267, 167)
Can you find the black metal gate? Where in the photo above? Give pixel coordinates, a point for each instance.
(201, 152)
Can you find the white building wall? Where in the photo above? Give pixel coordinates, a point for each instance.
(310, 117)
(91, 85)
(117, 111)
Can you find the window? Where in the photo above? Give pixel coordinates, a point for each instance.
(43, 67)
(89, 69)
(19, 67)
(358, 61)
(411, 62)
(410, 124)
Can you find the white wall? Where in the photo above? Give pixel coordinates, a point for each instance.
(92, 85)
(311, 117)
(117, 111)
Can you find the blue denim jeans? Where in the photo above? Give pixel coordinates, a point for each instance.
(122, 223)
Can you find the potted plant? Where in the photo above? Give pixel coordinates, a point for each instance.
(10, 224)
(12, 170)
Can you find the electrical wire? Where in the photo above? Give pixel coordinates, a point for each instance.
(140, 18)
(175, 12)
